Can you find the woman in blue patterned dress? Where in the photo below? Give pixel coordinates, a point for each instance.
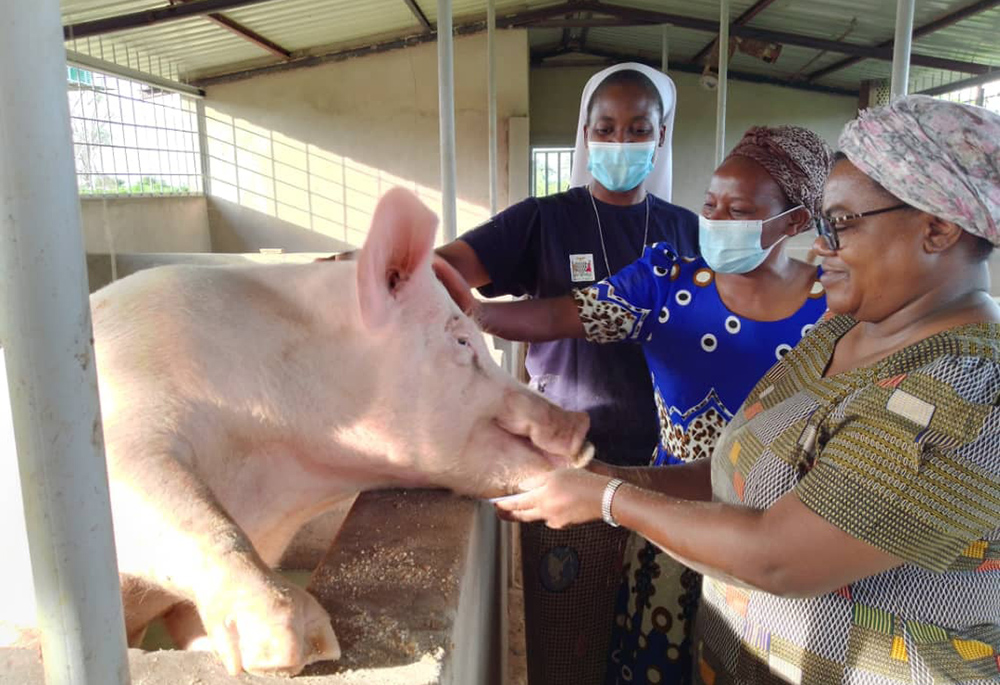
(709, 327)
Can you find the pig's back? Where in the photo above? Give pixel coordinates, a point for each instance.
(189, 335)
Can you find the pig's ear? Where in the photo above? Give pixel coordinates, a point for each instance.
(399, 244)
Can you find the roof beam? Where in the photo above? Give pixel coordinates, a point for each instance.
(693, 68)
(249, 35)
(135, 20)
(741, 20)
(919, 32)
(419, 14)
(243, 32)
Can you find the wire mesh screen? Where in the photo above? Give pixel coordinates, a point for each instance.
(571, 578)
(880, 93)
(550, 170)
(130, 138)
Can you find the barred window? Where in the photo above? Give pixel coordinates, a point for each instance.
(131, 138)
(991, 96)
(986, 95)
(550, 170)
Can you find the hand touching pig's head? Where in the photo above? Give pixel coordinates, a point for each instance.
(446, 410)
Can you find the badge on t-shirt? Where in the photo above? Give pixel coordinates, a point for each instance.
(581, 268)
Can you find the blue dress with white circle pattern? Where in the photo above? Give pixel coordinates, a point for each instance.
(703, 358)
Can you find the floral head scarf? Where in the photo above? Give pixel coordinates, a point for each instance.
(941, 157)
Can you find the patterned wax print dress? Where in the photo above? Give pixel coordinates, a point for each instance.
(703, 360)
(904, 455)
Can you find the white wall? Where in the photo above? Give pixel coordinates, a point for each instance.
(145, 224)
(555, 102)
(299, 158)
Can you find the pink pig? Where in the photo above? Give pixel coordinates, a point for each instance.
(241, 402)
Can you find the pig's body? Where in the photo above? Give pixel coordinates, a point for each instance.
(240, 402)
(288, 413)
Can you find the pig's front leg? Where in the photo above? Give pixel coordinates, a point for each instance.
(171, 531)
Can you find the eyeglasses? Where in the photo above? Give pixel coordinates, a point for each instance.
(829, 226)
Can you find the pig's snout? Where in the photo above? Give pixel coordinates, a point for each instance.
(558, 433)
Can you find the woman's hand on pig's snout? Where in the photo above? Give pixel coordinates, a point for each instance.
(456, 286)
(560, 498)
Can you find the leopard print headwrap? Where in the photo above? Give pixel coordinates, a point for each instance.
(797, 159)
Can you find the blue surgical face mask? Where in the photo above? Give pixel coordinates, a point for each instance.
(734, 247)
(620, 166)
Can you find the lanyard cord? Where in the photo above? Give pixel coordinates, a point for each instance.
(600, 231)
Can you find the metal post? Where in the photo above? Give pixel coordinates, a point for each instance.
(491, 84)
(204, 164)
(665, 49)
(446, 105)
(723, 87)
(504, 532)
(901, 49)
(49, 357)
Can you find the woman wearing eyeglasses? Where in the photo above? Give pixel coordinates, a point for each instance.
(709, 329)
(853, 532)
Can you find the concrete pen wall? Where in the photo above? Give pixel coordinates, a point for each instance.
(298, 159)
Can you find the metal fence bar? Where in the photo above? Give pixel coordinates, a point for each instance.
(446, 106)
(900, 83)
(491, 110)
(723, 87)
(49, 357)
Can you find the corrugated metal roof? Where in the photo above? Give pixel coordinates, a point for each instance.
(976, 39)
(648, 39)
(299, 25)
(463, 10)
(701, 9)
(75, 11)
(195, 46)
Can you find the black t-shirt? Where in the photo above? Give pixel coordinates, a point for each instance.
(545, 247)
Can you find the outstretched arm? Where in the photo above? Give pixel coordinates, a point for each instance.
(550, 318)
(785, 550)
(690, 481)
(460, 255)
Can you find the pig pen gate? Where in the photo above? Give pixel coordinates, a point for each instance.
(46, 331)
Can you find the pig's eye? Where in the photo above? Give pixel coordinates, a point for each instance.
(464, 342)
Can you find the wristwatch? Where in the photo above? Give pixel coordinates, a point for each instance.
(608, 498)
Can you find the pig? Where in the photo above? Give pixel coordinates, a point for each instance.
(241, 402)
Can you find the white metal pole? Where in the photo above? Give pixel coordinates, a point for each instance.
(491, 68)
(446, 105)
(901, 48)
(504, 550)
(665, 49)
(723, 87)
(49, 356)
